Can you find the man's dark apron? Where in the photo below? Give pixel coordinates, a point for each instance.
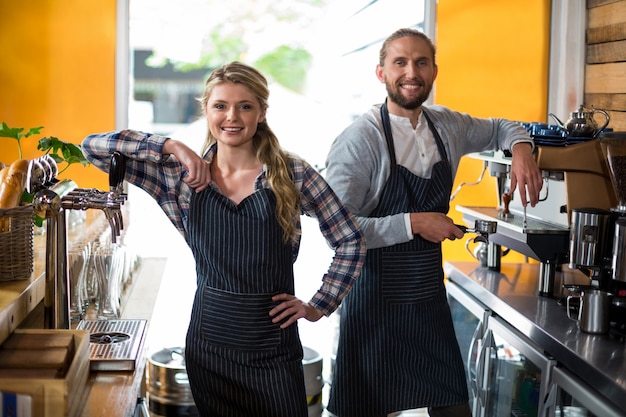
(239, 363)
(397, 349)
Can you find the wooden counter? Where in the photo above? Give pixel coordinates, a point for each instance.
(108, 393)
(19, 298)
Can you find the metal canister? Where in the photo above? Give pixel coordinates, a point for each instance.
(587, 231)
(167, 385)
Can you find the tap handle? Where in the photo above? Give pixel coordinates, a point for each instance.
(117, 171)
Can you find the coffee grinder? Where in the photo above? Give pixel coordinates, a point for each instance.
(614, 149)
(598, 236)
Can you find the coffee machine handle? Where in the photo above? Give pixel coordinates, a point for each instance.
(467, 248)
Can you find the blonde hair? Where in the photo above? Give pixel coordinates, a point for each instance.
(266, 145)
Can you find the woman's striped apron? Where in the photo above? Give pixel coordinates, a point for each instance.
(239, 363)
(397, 348)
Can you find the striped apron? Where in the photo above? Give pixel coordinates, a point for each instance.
(397, 348)
(239, 363)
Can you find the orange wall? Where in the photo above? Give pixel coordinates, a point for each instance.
(58, 71)
(493, 61)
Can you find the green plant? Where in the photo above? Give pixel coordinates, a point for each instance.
(61, 151)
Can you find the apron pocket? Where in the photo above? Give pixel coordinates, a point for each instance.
(239, 321)
(410, 277)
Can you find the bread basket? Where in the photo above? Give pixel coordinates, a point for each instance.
(16, 243)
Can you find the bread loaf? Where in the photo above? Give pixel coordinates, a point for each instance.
(12, 183)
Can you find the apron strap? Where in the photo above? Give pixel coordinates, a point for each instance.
(384, 115)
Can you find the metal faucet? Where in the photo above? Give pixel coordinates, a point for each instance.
(53, 208)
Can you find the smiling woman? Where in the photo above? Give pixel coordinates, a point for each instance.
(244, 232)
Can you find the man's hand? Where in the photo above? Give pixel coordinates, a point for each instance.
(434, 227)
(525, 174)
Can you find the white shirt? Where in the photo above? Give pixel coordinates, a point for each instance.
(416, 150)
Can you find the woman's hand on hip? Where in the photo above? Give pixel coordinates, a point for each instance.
(291, 309)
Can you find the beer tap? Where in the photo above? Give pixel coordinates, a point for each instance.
(109, 202)
(48, 204)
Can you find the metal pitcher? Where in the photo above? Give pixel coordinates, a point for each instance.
(582, 122)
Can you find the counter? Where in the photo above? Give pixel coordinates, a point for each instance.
(599, 360)
(108, 393)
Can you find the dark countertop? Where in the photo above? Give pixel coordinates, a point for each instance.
(511, 294)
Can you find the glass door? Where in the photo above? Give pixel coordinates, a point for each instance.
(469, 318)
(514, 373)
(569, 396)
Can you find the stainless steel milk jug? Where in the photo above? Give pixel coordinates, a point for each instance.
(593, 311)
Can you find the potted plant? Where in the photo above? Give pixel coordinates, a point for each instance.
(17, 218)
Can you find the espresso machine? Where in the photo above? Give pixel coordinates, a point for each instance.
(577, 181)
(539, 232)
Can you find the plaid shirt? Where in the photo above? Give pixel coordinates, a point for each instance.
(161, 176)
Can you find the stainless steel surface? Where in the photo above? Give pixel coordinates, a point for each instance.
(600, 360)
(539, 240)
(587, 399)
(114, 344)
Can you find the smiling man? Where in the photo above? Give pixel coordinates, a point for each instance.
(394, 169)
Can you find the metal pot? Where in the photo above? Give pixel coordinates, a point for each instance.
(167, 384)
(582, 123)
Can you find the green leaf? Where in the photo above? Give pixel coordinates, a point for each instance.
(16, 133)
(10, 132)
(38, 220)
(59, 150)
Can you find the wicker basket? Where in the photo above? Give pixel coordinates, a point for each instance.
(16, 243)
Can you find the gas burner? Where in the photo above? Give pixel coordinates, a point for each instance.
(108, 338)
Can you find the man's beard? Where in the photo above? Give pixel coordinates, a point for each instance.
(408, 104)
